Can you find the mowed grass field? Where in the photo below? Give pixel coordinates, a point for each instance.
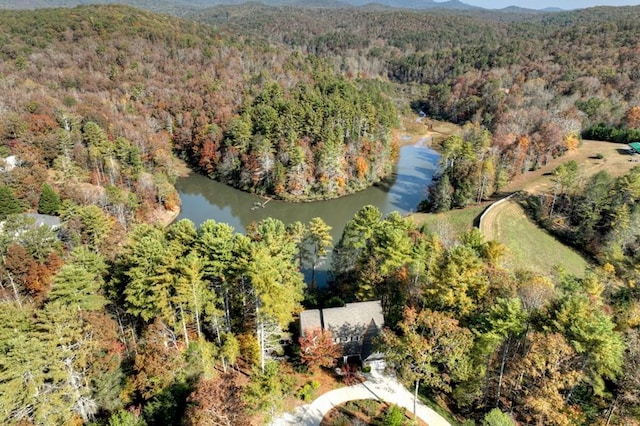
(454, 221)
(529, 247)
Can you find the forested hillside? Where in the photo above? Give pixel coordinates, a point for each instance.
(536, 85)
(178, 7)
(535, 82)
(115, 320)
(255, 117)
(555, 350)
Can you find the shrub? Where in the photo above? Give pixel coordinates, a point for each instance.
(335, 302)
(393, 417)
(496, 417)
(307, 392)
(350, 375)
(369, 406)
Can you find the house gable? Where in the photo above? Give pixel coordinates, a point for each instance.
(310, 319)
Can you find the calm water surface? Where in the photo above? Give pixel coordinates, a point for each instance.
(203, 198)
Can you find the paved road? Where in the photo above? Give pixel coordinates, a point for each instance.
(379, 387)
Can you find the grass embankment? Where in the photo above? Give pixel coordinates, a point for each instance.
(453, 222)
(529, 247)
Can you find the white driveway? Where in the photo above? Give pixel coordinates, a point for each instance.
(379, 387)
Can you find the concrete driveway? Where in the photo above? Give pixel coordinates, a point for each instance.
(377, 386)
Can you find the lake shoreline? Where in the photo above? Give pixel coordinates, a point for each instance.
(427, 135)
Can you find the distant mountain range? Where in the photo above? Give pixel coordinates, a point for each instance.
(417, 4)
(176, 5)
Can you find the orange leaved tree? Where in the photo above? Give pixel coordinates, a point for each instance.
(317, 348)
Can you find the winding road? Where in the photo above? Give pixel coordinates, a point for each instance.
(613, 160)
(377, 386)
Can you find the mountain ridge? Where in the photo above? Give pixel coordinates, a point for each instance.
(174, 6)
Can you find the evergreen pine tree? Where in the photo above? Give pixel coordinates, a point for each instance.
(49, 201)
(9, 204)
(440, 196)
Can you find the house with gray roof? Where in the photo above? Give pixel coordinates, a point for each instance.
(44, 220)
(25, 222)
(354, 326)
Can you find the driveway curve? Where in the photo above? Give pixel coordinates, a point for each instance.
(378, 387)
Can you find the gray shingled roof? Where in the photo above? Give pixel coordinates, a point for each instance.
(45, 219)
(349, 317)
(353, 325)
(310, 319)
(359, 313)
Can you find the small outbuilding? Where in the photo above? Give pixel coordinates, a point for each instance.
(29, 221)
(52, 222)
(634, 148)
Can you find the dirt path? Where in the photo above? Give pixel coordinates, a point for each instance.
(425, 131)
(614, 160)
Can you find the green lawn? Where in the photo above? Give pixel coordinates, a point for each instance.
(530, 247)
(455, 221)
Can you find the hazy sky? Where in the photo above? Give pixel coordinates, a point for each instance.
(541, 4)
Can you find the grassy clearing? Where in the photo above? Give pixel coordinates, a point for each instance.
(414, 128)
(591, 156)
(453, 222)
(529, 247)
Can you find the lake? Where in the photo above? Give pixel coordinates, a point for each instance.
(203, 198)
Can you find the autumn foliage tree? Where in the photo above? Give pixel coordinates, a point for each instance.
(99, 101)
(317, 348)
(431, 347)
(157, 361)
(216, 402)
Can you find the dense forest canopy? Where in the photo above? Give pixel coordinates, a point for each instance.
(536, 82)
(288, 135)
(178, 6)
(322, 139)
(111, 319)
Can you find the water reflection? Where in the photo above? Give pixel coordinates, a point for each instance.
(204, 199)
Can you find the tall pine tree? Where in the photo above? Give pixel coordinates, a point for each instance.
(49, 200)
(9, 204)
